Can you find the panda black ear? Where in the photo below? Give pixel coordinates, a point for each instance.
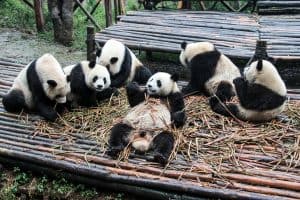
(113, 60)
(52, 83)
(98, 52)
(92, 64)
(183, 45)
(175, 77)
(259, 65)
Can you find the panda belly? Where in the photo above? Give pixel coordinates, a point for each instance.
(148, 116)
(259, 116)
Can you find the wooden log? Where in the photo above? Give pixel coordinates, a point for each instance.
(90, 43)
(39, 18)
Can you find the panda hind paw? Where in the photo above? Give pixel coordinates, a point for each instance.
(160, 158)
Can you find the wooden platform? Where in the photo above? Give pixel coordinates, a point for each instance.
(263, 172)
(235, 34)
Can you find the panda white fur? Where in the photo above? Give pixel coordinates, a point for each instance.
(145, 126)
(123, 65)
(88, 83)
(39, 86)
(211, 71)
(262, 94)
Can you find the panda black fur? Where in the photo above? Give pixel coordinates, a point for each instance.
(146, 123)
(89, 83)
(38, 87)
(123, 65)
(211, 71)
(262, 94)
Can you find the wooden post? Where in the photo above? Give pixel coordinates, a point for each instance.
(122, 7)
(116, 11)
(90, 43)
(260, 52)
(108, 12)
(87, 14)
(39, 18)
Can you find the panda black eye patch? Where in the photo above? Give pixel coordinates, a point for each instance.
(95, 79)
(104, 80)
(58, 96)
(158, 83)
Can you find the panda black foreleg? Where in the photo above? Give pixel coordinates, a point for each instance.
(142, 75)
(135, 94)
(14, 101)
(189, 90)
(118, 139)
(46, 111)
(162, 146)
(106, 94)
(225, 110)
(225, 91)
(177, 105)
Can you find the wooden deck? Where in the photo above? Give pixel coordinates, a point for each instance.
(79, 157)
(235, 34)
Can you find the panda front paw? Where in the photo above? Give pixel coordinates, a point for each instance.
(179, 118)
(50, 116)
(213, 101)
(161, 159)
(114, 151)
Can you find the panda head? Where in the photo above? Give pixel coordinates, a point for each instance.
(162, 84)
(52, 77)
(111, 56)
(98, 77)
(188, 51)
(265, 73)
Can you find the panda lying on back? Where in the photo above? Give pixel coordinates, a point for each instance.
(262, 94)
(211, 71)
(122, 64)
(89, 83)
(39, 86)
(144, 127)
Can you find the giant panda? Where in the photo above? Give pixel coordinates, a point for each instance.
(122, 64)
(154, 109)
(211, 71)
(39, 86)
(261, 93)
(89, 82)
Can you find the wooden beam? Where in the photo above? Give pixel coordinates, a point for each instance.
(87, 14)
(29, 3)
(39, 18)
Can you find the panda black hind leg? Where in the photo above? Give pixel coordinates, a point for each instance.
(118, 139)
(14, 101)
(162, 146)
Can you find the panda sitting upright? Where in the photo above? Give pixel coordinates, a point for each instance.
(89, 83)
(145, 126)
(262, 94)
(123, 65)
(38, 87)
(211, 71)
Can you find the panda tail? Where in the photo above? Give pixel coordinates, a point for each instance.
(228, 110)
(14, 101)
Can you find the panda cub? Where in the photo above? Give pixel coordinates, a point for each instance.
(145, 126)
(211, 71)
(262, 94)
(88, 82)
(123, 65)
(38, 87)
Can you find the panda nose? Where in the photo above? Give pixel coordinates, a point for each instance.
(99, 86)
